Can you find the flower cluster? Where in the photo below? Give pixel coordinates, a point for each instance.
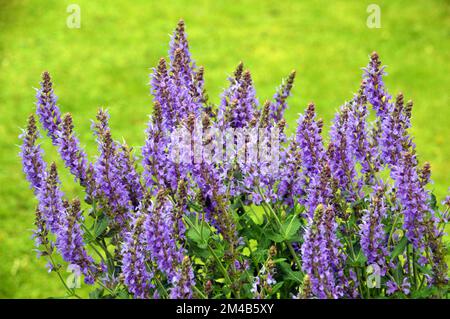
(373, 239)
(251, 212)
(322, 257)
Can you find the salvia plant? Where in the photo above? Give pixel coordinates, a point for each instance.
(220, 203)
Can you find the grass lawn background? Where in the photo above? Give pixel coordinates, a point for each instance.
(107, 61)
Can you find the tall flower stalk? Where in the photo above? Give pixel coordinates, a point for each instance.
(46, 108)
(31, 153)
(322, 259)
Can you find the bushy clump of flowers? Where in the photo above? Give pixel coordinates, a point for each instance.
(225, 205)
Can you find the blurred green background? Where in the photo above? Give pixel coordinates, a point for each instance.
(107, 61)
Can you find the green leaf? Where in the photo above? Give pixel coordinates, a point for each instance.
(277, 287)
(359, 261)
(290, 274)
(256, 214)
(252, 247)
(288, 232)
(246, 252)
(195, 207)
(123, 294)
(279, 260)
(253, 244)
(96, 294)
(424, 269)
(260, 255)
(100, 227)
(198, 261)
(400, 247)
(199, 234)
(236, 205)
(424, 292)
(275, 237)
(433, 202)
(290, 228)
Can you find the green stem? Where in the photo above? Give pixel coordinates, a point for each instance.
(104, 287)
(416, 280)
(109, 258)
(159, 283)
(216, 258)
(391, 233)
(408, 260)
(358, 275)
(270, 209)
(294, 254)
(443, 224)
(56, 269)
(219, 263)
(288, 244)
(85, 229)
(201, 294)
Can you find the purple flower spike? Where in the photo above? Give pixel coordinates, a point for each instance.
(413, 199)
(130, 177)
(309, 140)
(70, 243)
(320, 189)
(374, 89)
(358, 136)
(322, 259)
(278, 107)
(161, 90)
(46, 108)
(160, 236)
(290, 173)
(341, 159)
(180, 56)
(159, 170)
(50, 200)
(394, 136)
(183, 281)
(40, 234)
(111, 189)
(239, 103)
(72, 154)
(136, 275)
(373, 237)
(186, 82)
(33, 165)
